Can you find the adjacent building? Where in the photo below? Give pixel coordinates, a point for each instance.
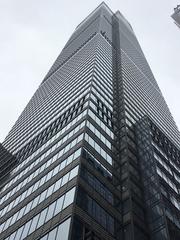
(176, 15)
(96, 153)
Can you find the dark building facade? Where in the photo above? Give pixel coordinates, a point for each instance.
(176, 15)
(96, 151)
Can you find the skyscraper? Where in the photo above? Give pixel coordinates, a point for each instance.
(176, 15)
(95, 154)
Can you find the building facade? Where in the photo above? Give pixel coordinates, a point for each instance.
(96, 151)
(176, 15)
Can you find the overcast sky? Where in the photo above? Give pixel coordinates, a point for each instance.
(33, 32)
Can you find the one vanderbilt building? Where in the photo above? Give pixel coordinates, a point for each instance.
(95, 154)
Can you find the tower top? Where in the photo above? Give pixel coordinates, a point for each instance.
(101, 5)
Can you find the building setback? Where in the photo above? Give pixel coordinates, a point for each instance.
(95, 154)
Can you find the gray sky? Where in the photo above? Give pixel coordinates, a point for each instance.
(33, 32)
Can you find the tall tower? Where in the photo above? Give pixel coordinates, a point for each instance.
(176, 15)
(95, 154)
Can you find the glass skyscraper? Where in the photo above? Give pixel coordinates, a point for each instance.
(95, 155)
(176, 15)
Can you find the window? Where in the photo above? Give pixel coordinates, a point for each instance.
(40, 219)
(58, 232)
(69, 198)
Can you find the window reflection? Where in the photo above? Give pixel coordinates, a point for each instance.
(57, 233)
(53, 209)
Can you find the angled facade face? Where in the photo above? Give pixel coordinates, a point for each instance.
(96, 151)
(176, 15)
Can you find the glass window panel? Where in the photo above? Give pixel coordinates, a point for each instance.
(7, 223)
(20, 213)
(70, 134)
(77, 153)
(52, 234)
(108, 144)
(63, 164)
(12, 236)
(91, 141)
(69, 159)
(97, 133)
(90, 126)
(50, 211)
(80, 138)
(25, 230)
(73, 172)
(65, 179)
(2, 226)
(69, 198)
(50, 191)
(42, 181)
(103, 139)
(63, 230)
(35, 186)
(19, 232)
(44, 238)
(42, 196)
(109, 159)
(49, 175)
(35, 202)
(28, 207)
(97, 148)
(73, 143)
(103, 153)
(67, 148)
(59, 204)
(33, 224)
(56, 170)
(57, 185)
(42, 218)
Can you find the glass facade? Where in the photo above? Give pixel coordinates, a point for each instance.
(176, 15)
(95, 154)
